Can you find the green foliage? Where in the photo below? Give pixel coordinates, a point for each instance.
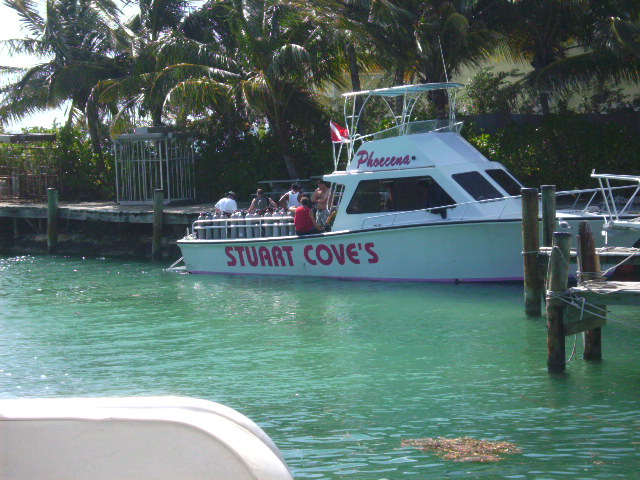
(238, 161)
(605, 99)
(69, 161)
(76, 164)
(491, 92)
(563, 150)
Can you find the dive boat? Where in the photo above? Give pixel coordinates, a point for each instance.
(415, 202)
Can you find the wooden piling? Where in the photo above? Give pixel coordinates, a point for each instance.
(52, 219)
(548, 194)
(589, 270)
(530, 247)
(557, 283)
(158, 214)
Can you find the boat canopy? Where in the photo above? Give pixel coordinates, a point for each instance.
(405, 89)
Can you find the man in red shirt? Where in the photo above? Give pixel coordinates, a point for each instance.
(304, 219)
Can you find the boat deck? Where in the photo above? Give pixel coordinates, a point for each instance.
(608, 292)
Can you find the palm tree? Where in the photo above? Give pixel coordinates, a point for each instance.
(74, 41)
(261, 57)
(417, 39)
(449, 35)
(138, 90)
(570, 43)
(627, 34)
(540, 32)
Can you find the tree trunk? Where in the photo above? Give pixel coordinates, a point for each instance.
(541, 60)
(156, 115)
(93, 122)
(439, 98)
(543, 98)
(354, 70)
(283, 137)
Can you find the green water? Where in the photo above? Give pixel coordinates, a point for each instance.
(337, 373)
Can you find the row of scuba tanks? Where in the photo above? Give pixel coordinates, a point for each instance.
(242, 224)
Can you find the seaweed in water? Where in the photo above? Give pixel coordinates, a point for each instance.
(463, 449)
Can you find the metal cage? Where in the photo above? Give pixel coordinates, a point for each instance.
(154, 158)
(27, 168)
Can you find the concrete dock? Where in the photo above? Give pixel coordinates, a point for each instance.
(94, 228)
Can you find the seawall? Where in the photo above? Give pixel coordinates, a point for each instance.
(94, 229)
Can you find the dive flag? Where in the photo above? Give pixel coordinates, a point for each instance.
(338, 134)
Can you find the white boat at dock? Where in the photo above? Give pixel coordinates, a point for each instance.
(415, 202)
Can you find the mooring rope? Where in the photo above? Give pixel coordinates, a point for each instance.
(574, 300)
(622, 262)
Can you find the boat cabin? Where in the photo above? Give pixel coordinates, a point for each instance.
(414, 171)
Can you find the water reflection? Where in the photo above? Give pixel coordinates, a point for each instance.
(337, 372)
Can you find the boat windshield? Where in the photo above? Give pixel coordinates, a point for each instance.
(476, 185)
(505, 180)
(424, 126)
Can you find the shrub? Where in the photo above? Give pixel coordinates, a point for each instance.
(563, 150)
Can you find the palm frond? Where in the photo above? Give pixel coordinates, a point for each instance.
(199, 95)
(28, 12)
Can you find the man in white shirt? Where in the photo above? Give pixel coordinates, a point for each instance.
(290, 199)
(227, 205)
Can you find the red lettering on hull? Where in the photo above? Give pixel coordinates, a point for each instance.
(321, 254)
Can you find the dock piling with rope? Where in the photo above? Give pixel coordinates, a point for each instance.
(582, 308)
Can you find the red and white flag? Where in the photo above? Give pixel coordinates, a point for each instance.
(338, 134)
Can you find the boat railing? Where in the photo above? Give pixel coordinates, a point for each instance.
(614, 200)
(490, 209)
(617, 205)
(243, 227)
(577, 202)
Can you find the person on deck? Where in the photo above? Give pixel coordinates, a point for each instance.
(321, 198)
(304, 220)
(290, 199)
(226, 205)
(262, 202)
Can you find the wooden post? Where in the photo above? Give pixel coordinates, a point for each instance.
(590, 270)
(548, 193)
(530, 247)
(158, 213)
(16, 229)
(557, 282)
(52, 219)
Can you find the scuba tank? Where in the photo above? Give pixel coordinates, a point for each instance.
(257, 230)
(208, 233)
(248, 220)
(292, 227)
(216, 226)
(233, 229)
(224, 231)
(276, 224)
(242, 232)
(268, 223)
(198, 229)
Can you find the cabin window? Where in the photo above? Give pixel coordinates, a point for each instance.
(506, 181)
(476, 185)
(397, 194)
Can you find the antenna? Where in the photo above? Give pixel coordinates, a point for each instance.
(452, 97)
(444, 65)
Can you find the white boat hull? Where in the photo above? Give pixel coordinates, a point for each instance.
(466, 252)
